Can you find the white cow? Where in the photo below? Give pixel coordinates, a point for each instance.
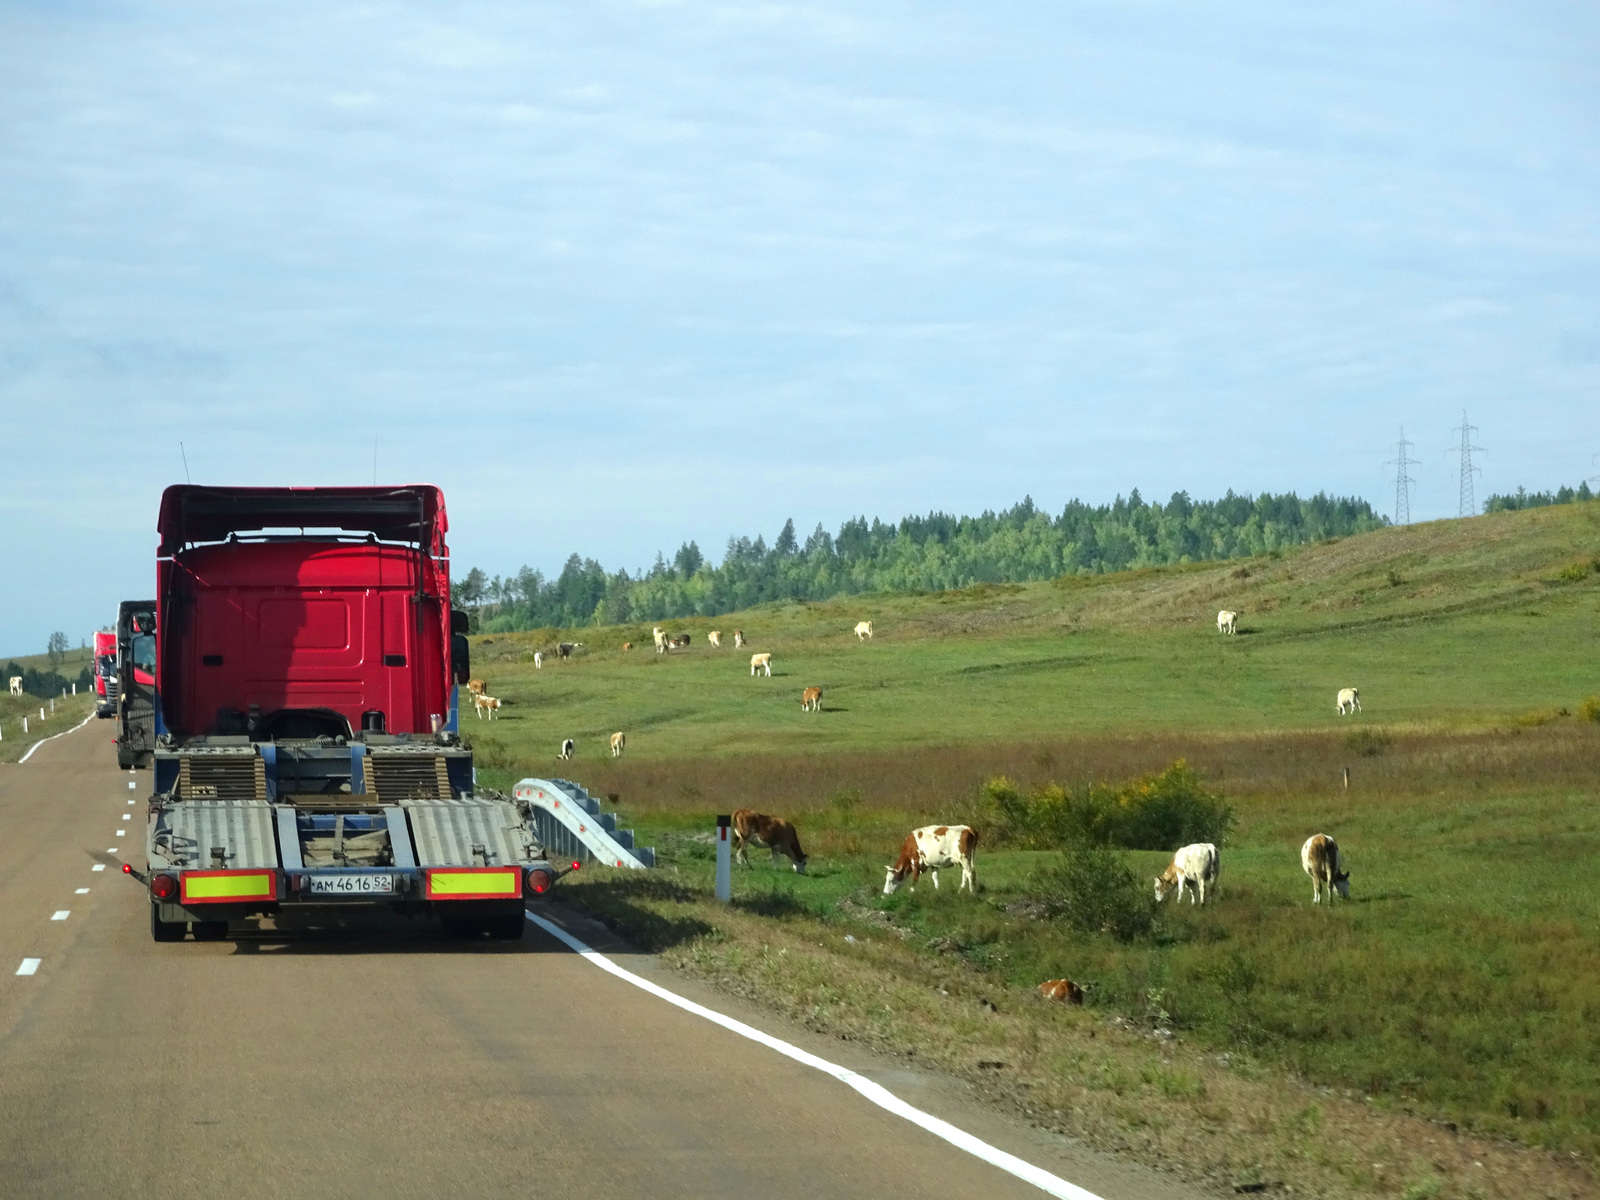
(538, 660)
(760, 661)
(1227, 619)
(1319, 858)
(863, 630)
(660, 635)
(1194, 867)
(930, 848)
(16, 685)
(568, 746)
(1349, 700)
(619, 743)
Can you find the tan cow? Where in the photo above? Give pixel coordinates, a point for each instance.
(863, 630)
(1319, 858)
(738, 640)
(929, 849)
(475, 686)
(660, 635)
(619, 743)
(1227, 621)
(760, 661)
(811, 699)
(1349, 700)
(715, 637)
(485, 704)
(773, 833)
(627, 645)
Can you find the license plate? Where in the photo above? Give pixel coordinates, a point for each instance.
(350, 885)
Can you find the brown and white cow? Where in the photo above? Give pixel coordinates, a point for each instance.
(929, 849)
(475, 686)
(1319, 858)
(811, 699)
(619, 743)
(627, 645)
(1194, 867)
(751, 828)
(1063, 990)
(482, 703)
(738, 640)
(760, 662)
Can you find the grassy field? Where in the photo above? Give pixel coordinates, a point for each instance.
(1461, 984)
(68, 712)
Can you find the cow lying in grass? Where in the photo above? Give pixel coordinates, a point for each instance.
(1193, 866)
(929, 849)
(751, 828)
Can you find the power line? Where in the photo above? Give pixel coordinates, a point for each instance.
(1469, 504)
(1402, 481)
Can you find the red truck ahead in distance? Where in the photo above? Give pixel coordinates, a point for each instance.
(307, 758)
(105, 673)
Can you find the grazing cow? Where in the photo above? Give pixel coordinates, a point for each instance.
(929, 849)
(565, 649)
(715, 637)
(681, 640)
(538, 660)
(811, 699)
(661, 639)
(738, 640)
(1349, 700)
(863, 630)
(482, 703)
(1194, 867)
(1227, 621)
(751, 828)
(627, 645)
(16, 685)
(1319, 857)
(759, 661)
(1063, 990)
(475, 686)
(619, 743)
(568, 747)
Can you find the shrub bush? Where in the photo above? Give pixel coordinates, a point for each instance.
(1589, 710)
(1157, 812)
(1093, 889)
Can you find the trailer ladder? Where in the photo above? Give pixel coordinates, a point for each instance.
(571, 825)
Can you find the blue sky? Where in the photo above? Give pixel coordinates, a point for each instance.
(620, 274)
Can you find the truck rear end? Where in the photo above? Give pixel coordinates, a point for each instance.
(105, 673)
(136, 683)
(307, 755)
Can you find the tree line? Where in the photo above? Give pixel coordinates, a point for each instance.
(1523, 498)
(917, 554)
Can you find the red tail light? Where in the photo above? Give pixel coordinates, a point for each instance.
(127, 868)
(576, 864)
(163, 887)
(539, 881)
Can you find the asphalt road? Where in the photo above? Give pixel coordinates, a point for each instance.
(389, 1062)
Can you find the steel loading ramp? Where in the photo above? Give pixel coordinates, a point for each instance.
(571, 824)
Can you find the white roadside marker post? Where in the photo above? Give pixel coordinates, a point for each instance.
(24, 724)
(724, 859)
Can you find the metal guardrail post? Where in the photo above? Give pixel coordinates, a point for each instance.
(724, 859)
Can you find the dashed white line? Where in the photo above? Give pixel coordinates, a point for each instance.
(98, 867)
(122, 833)
(133, 802)
(127, 816)
(61, 914)
(111, 849)
(132, 783)
(29, 966)
(81, 892)
(875, 1092)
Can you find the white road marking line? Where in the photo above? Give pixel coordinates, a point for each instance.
(98, 867)
(61, 914)
(111, 849)
(877, 1093)
(132, 783)
(29, 966)
(81, 892)
(130, 802)
(122, 833)
(127, 816)
(53, 737)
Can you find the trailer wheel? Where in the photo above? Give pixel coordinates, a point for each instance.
(210, 931)
(506, 926)
(166, 931)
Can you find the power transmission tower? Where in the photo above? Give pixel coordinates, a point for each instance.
(1402, 481)
(1469, 505)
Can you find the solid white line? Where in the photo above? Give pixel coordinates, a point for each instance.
(878, 1094)
(53, 737)
(29, 966)
(61, 914)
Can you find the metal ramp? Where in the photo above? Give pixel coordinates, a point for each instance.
(571, 825)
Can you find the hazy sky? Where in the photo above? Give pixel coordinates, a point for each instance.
(620, 274)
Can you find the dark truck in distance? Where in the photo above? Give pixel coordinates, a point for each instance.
(136, 687)
(307, 758)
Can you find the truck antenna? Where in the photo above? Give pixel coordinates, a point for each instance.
(185, 454)
(374, 460)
